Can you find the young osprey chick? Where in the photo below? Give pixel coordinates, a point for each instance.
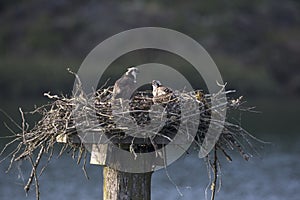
(160, 93)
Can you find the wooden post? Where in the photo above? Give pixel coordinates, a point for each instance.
(119, 185)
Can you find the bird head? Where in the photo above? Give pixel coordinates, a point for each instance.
(156, 84)
(133, 71)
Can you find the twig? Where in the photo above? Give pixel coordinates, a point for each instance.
(215, 173)
(23, 125)
(33, 173)
(9, 117)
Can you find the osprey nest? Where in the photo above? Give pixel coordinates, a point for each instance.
(157, 120)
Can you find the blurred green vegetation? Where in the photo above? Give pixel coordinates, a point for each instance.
(26, 78)
(255, 44)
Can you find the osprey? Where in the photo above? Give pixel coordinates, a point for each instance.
(165, 97)
(160, 93)
(124, 86)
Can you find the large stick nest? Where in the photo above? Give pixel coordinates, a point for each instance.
(98, 113)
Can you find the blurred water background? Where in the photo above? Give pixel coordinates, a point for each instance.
(255, 44)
